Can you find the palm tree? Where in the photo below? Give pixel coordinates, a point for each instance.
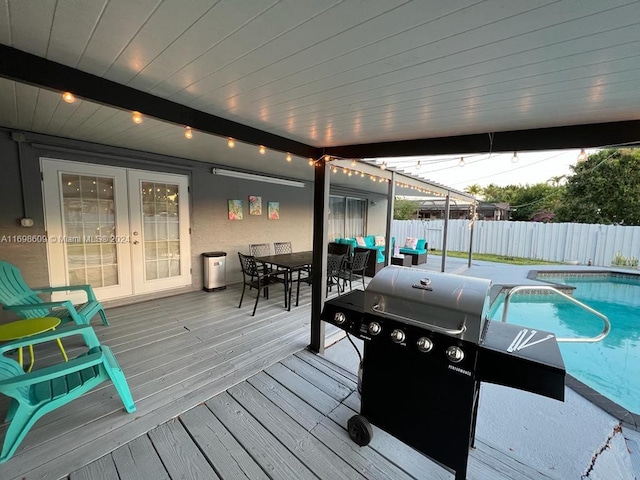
(475, 190)
(493, 193)
(557, 180)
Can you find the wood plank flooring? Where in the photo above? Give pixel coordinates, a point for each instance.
(221, 394)
(176, 353)
(286, 422)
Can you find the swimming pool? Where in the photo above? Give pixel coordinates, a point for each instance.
(612, 366)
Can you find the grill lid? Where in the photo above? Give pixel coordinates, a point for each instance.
(452, 304)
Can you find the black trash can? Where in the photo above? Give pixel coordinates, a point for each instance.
(214, 271)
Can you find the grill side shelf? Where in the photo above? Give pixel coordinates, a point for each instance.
(351, 305)
(521, 358)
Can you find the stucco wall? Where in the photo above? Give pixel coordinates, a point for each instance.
(212, 231)
(377, 216)
(210, 228)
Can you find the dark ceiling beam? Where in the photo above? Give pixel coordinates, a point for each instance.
(31, 69)
(552, 138)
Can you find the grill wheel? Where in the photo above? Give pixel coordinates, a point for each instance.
(360, 430)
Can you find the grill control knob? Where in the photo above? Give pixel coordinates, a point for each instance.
(374, 328)
(397, 336)
(340, 318)
(455, 354)
(424, 344)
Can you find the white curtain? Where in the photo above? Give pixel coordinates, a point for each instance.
(354, 218)
(346, 217)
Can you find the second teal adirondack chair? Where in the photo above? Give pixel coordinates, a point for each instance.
(15, 295)
(39, 392)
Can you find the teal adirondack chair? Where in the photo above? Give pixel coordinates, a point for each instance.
(16, 295)
(39, 392)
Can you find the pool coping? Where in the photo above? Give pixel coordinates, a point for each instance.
(627, 418)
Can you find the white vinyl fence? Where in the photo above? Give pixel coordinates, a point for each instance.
(560, 242)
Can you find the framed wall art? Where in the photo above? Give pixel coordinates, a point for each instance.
(235, 209)
(255, 205)
(273, 210)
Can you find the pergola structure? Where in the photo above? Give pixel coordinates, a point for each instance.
(323, 82)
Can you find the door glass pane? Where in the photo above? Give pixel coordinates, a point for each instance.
(160, 202)
(354, 217)
(336, 218)
(89, 230)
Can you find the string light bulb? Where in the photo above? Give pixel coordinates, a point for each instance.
(515, 158)
(289, 157)
(231, 143)
(353, 162)
(137, 118)
(327, 158)
(68, 97)
(582, 156)
(262, 150)
(311, 162)
(188, 133)
(383, 166)
(461, 163)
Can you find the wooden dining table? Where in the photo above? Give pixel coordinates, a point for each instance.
(290, 262)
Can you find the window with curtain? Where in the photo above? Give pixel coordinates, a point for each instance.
(336, 217)
(354, 217)
(346, 217)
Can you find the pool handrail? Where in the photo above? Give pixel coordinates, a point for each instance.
(597, 338)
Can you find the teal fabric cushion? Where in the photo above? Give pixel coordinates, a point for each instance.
(370, 240)
(411, 250)
(350, 241)
(422, 243)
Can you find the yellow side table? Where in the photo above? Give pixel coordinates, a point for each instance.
(27, 328)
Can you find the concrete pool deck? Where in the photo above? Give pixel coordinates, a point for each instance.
(572, 440)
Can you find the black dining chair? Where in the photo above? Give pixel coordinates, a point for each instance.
(355, 268)
(339, 248)
(282, 247)
(264, 250)
(260, 249)
(253, 277)
(335, 264)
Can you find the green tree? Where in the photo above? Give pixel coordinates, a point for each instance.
(405, 209)
(537, 202)
(493, 194)
(475, 190)
(557, 180)
(604, 189)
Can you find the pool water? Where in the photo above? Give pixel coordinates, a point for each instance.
(612, 366)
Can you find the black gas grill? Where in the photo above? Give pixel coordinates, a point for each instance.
(428, 345)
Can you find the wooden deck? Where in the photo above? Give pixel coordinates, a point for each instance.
(221, 394)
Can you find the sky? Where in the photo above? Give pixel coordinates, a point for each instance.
(497, 168)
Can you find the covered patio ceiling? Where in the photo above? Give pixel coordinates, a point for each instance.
(352, 79)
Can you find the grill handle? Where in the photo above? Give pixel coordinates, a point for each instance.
(411, 321)
(597, 338)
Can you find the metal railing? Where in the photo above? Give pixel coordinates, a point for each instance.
(597, 338)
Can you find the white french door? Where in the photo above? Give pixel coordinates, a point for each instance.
(122, 231)
(160, 244)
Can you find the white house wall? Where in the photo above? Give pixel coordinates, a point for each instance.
(210, 228)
